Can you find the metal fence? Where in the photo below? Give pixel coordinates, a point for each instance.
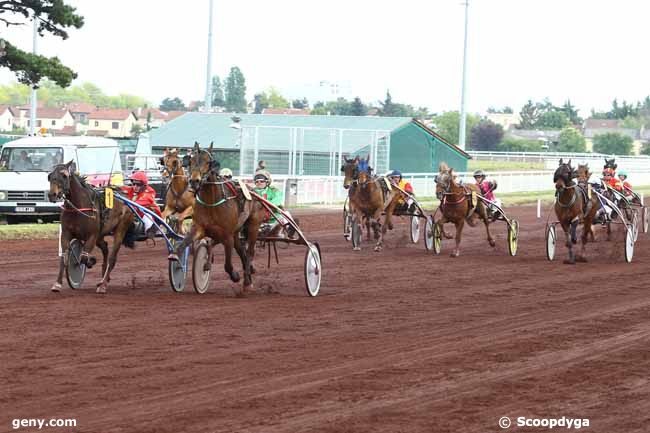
(305, 151)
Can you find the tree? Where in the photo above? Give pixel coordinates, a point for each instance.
(276, 100)
(613, 143)
(486, 136)
(504, 110)
(54, 17)
(387, 108)
(235, 91)
(136, 130)
(217, 93)
(645, 150)
(261, 101)
(530, 114)
(357, 108)
(571, 140)
(447, 124)
(571, 113)
(175, 104)
(301, 104)
(149, 119)
(552, 120)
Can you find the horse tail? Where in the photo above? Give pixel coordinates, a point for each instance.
(129, 237)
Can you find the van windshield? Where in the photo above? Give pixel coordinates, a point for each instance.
(30, 158)
(98, 160)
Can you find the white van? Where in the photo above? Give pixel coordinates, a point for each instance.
(26, 162)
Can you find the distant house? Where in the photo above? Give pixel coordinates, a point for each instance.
(545, 136)
(7, 118)
(111, 123)
(293, 111)
(506, 120)
(594, 127)
(81, 110)
(154, 117)
(52, 119)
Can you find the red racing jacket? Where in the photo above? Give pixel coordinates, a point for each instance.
(146, 198)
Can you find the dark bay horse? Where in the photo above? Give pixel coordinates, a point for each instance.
(220, 213)
(179, 200)
(573, 205)
(368, 198)
(85, 217)
(458, 204)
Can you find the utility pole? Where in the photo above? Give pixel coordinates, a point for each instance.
(208, 83)
(463, 114)
(32, 111)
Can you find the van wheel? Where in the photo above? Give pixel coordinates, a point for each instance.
(13, 219)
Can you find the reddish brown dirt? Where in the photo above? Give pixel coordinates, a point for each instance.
(397, 341)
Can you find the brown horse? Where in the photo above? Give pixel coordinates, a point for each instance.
(458, 204)
(85, 217)
(367, 198)
(221, 212)
(583, 174)
(573, 205)
(179, 200)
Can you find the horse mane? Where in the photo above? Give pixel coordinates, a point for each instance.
(443, 167)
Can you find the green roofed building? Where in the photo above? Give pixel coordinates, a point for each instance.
(310, 145)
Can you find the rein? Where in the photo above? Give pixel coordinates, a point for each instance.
(574, 197)
(223, 199)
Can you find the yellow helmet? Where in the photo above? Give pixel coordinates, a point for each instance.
(225, 172)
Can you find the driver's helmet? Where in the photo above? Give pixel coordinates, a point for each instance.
(140, 177)
(622, 173)
(479, 173)
(225, 172)
(395, 173)
(263, 175)
(608, 172)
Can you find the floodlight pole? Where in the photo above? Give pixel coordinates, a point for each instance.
(208, 84)
(463, 114)
(32, 111)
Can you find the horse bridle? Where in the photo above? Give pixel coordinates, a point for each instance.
(568, 184)
(65, 191)
(213, 168)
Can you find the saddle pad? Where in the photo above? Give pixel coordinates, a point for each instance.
(244, 189)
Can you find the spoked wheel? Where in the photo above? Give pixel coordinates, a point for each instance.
(635, 225)
(629, 243)
(644, 219)
(347, 224)
(313, 269)
(428, 234)
(75, 271)
(356, 234)
(437, 239)
(415, 229)
(550, 242)
(513, 237)
(201, 268)
(178, 269)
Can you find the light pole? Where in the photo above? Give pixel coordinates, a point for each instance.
(208, 83)
(32, 111)
(463, 114)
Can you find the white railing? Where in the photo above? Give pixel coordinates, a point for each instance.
(481, 155)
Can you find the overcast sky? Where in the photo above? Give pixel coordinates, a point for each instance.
(590, 51)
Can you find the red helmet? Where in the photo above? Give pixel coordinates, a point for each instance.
(140, 176)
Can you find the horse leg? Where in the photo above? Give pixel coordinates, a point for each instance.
(368, 224)
(65, 246)
(245, 262)
(459, 230)
(253, 230)
(196, 232)
(586, 230)
(571, 260)
(88, 247)
(182, 217)
(103, 245)
(377, 228)
(118, 237)
(228, 242)
(486, 221)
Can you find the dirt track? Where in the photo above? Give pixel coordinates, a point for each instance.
(397, 341)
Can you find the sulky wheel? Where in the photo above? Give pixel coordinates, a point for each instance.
(201, 268)
(428, 234)
(347, 224)
(178, 269)
(513, 237)
(629, 243)
(313, 269)
(415, 229)
(75, 271)
(550, 242)
(644, 219)
(437, 239)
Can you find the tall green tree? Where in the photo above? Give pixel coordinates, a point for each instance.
(217, 93)
(276, 100)
(530, 114)
(172, 104)
(261, 101)
(387, 108)
(571, 112)
(358, 108)
(552, 120)
(613, 143)
(486, 136)
(235, 91)
(54, 17)
(571, 140)
(447, 124)
(301, 104)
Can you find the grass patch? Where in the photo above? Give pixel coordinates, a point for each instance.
(29, 231)
(504, 165)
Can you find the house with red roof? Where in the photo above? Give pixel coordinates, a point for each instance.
(116, 122)
(7, 118)
(52, 119)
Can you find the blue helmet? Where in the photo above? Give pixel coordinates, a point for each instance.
(395, 173)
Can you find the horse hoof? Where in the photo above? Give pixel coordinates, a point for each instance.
(356, 249)
(581, 259)
(56, 287)
(252, 270)
(569, 262)
(173, 257)
(234, 277)
(377, 249)
(91, 262)
(454, 254)
(492, 243)
(101, 289)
